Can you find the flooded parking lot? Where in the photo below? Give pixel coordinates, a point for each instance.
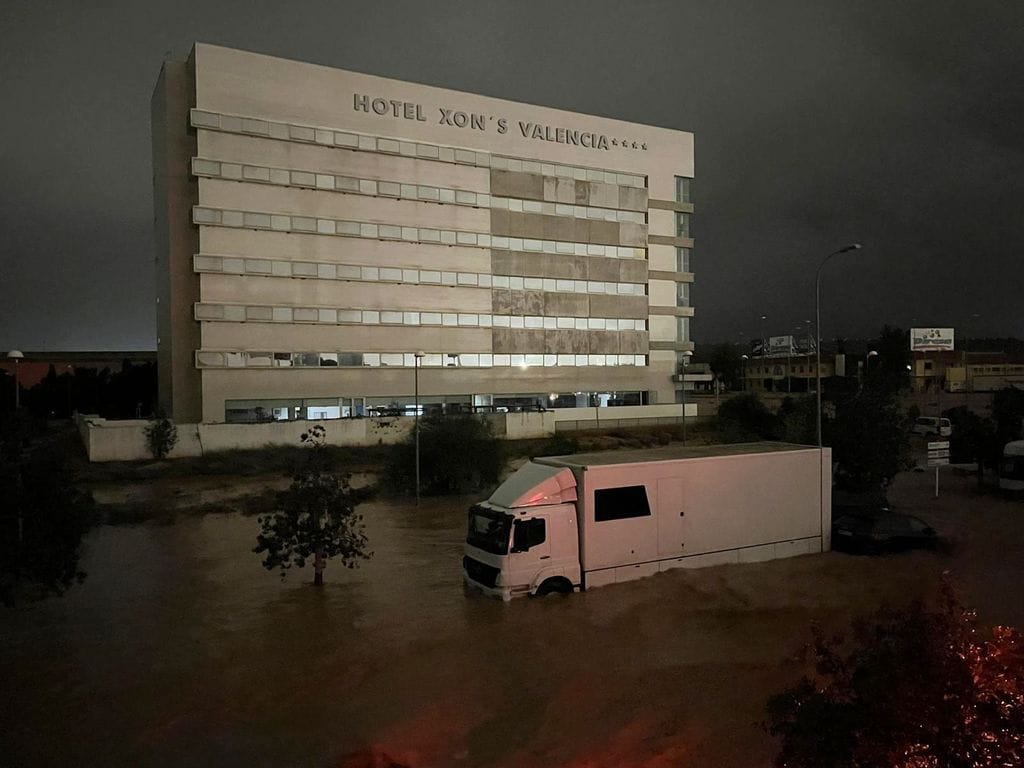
(180, 649)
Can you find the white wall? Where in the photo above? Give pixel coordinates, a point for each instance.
(126, 441)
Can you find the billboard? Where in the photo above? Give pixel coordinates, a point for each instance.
(931, 339)
(780, 346)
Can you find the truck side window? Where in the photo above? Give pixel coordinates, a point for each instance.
(621, 503)
(528, 533)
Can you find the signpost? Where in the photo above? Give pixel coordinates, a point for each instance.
(938, 456)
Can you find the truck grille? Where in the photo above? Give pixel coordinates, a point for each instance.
(479, 572)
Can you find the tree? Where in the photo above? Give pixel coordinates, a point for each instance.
(43, 515)
(315, 516)
(913, 688)
(726, 363)
(457, 453)
(1008, 414)
(161, 435)
(869, 438)
(887, 371)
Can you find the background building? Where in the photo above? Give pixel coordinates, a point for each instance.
(322, 233)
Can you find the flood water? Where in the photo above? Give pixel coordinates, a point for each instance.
(181, 650)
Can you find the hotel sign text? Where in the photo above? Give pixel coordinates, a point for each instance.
(476, 121)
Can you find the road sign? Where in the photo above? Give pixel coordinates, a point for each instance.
(941, 453)
(938, 462)
(936, 444)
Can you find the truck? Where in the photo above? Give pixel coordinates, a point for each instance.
(565, 523)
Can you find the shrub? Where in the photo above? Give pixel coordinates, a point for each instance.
(457, 453)
(161, 435)
(745, 417)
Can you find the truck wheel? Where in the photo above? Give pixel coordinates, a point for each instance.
(557, 586)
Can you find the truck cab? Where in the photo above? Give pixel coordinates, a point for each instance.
(524, 539)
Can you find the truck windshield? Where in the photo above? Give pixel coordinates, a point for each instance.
(489, 530)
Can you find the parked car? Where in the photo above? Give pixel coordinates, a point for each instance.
(932, 425)
(883, 531)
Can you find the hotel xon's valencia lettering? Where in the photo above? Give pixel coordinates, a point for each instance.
(458, 118)
(563, 135)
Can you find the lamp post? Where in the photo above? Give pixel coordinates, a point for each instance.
(746, 360)
(17, 356)
(867, 364)
(682, 365)
(416, 416)
(817, 331)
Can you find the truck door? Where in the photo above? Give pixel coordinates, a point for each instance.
(530, 552)
(673, 523)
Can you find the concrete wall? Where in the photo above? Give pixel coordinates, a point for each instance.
(126, 441)
(571, 419)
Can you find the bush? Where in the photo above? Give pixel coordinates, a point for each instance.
(161, 435)
(745, 417)
(457, 453)
(913, 688)
(558, 445)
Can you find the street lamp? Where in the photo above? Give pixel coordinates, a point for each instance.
(682, 365)
(745, 359)
(867, 369)
(416, 415)
(817, 331)
(17, 356)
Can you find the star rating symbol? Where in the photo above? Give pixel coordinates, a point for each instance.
(643, 147)
(615, 142)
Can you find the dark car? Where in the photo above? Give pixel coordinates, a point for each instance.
(882, 531)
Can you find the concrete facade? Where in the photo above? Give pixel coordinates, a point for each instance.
(318, 229)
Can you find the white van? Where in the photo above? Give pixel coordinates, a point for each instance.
(932, 425)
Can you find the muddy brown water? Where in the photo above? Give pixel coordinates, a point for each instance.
(181, 650)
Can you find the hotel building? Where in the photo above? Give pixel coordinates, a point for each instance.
(329, 240)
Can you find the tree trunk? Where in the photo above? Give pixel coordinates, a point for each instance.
(318, 569)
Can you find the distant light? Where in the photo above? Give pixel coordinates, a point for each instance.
(552, 396)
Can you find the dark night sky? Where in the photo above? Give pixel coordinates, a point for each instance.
(896, 124)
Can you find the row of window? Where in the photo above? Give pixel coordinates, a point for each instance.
(218, 169)
(348, 140)
(326, 315)
(319, 226)
(225, 359)
(332, 271)
(563, 209)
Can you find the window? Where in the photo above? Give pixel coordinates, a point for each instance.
(682, 224)
(683, 260)
(527, 534)
(682, 329)
(621, 503)
(682, 294)
(683, 189)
